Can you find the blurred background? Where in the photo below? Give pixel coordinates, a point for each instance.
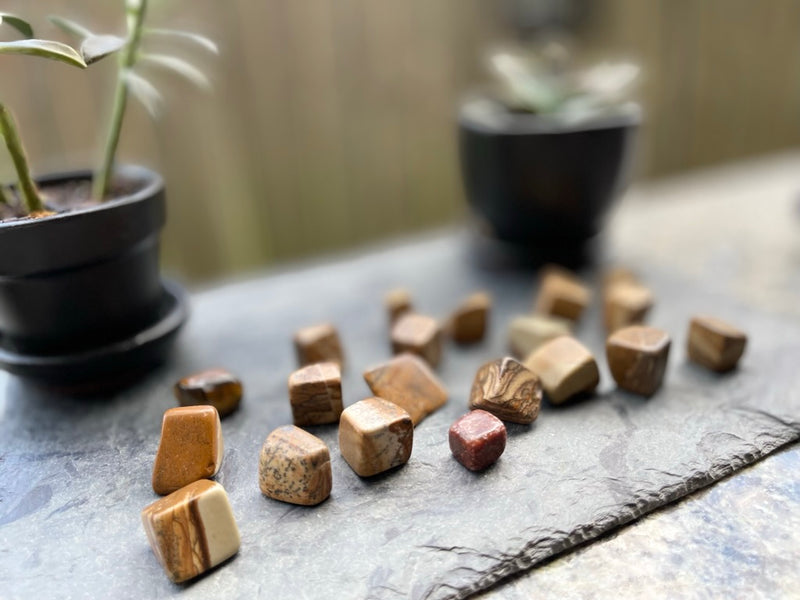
(332, 122)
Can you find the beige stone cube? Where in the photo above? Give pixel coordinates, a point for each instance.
(715, 344)
(561, 294)
(318, 343)
(420, 335)
(315, 393)
(626, 304)
(398, 302)
(565, 367)
(527, 332)
(469, 322)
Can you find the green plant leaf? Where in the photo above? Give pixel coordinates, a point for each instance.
(70, 27)
(44, 49)
(198, 39)
(20, 25)
(144, 92)
(179, 66)
(96, 47)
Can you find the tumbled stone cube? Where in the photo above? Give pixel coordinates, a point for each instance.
(420, 335)
(295, 467)
(561, 294)
(477, 439)
(192, 530)
(318, 343)
(407, 381)
(637, 357)
(565, 367)
(468, 322)
(616, 275)
(217, 387)
(315, 393)
(507, 389)
(527, 332)
(626, 304)
(375, 435)
(715, 344)
(398, 302)
(190, 448)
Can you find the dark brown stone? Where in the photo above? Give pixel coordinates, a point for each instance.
(217, 387)
(637, 357)
(561, 294)
(477, 439)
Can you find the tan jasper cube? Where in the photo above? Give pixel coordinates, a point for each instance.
(318, 343)
(626, 304)
(565, 367)
(527, 332)
(315, 393)
(469, 321)
(375, 435)
(561, 294)
(637, 356)
(398, 302)
(507, 389)
(418, 335)
(192, 530)
(715, 344)
(295, 467)
(191, 448)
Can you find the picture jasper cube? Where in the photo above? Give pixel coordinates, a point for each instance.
(315, 393)
(561, 294)
(507, 389)
(375, 435)
(565, 367)
(191, 447)
(192, 530)
(626, 304)
(418, 335)
(217, 387)
(398, 302)
(295, 467)
(637, 357)
(477, 439)
(715, 344)
(407, 381)
(527, 332)
(318, 343)
(469, 321)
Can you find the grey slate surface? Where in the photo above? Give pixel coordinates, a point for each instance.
(75, 474)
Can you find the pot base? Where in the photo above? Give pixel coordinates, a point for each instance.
(110, 367)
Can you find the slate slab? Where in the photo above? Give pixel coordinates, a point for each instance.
(75, 473)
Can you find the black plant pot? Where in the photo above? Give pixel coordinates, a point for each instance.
(538, 183)
(79, 286)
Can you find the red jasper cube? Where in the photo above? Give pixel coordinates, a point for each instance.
(477, 439)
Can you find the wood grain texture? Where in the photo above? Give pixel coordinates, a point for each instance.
(637, 357)
(315, 394)
(508, 390)
(715, 344)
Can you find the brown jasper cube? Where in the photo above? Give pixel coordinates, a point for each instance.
(626, 304)
(468, 323)
(637, 356)
(561, 294)
(565, 367)
(527, 332)
(375, 435)
(191, 448)
(192, 530)
(477, 439)
(715, 344)
(398, 302)
(419, 335)
(507, 389)
(315, 393)
(217, 387)
(295, 467)
(318, 343)
(407, 381)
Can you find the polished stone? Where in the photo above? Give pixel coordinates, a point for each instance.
(507, 389)
(470, 320)
(217, 387)
(420, 335)
(637, 357)
(315, 394)
(477, 439)
(565, 367)
(318, 343)
(715, 344)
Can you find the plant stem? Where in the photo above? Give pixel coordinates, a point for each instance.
(30, 195)
(127, 59)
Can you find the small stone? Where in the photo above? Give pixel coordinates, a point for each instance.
(626, 304)
(318, 343)
(469, 321)
(477, 439)
(398, 302)
(407, 381)
(295, 467)
(561, 294)
(565, 367)
(715, 344)
(315, 393)
(217, 387)
(420, 335)
(637, 356)
(616, 275)
(192, 530)
(527, 332)
(191, 448)
(375, 435)
(507, 389)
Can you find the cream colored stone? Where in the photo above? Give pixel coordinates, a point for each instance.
(527, 332)
(565, 367)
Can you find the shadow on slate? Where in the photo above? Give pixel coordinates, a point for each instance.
(431, 529)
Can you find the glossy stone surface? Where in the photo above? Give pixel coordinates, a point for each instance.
(407, 381)
(217, 387)
(398, 302)
(192, 530)
(315, 393)
(715, 344)
(624, 304)
(318, 343)
(375, 435)
(420, 335)
(190, 448)
(469, 321)
(527, 332)
(477, 439)
(507, 389)
(295, 466)
(637, 357)
(561, 294)
(565, 367)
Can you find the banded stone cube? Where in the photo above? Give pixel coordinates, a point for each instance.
(318, 343)
(637, 357)
(420, 335)
(217, 387)
(315, 393)
(507, 389)
(477, 439)
(565, 367)
(715, 344)
(561, 294)
(469, 321)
